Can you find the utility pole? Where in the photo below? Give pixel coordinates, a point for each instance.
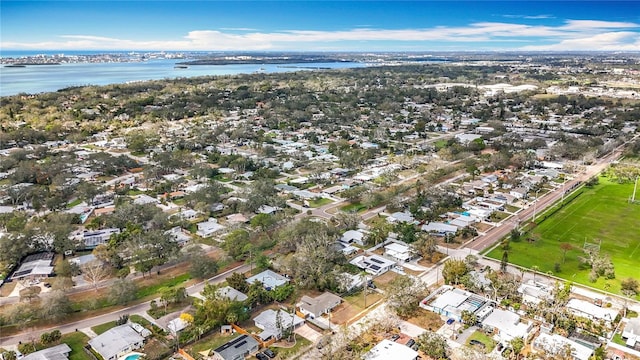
(535, 203)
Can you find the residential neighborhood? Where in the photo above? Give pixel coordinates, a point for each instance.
(387, 212)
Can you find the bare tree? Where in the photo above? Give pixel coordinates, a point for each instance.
(95, 271)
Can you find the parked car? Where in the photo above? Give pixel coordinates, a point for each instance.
(269, 353)
(395, 337)
(500, 347)
(476, 342)
(450, 321)
(410, 343)
(262, 356)
(414, 347)
(371, 284)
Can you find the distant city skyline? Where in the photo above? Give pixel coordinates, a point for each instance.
(320, 25)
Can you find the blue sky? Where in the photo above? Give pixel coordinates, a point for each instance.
(320, 25)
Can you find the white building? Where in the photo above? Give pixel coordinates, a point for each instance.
(387, 349)
(591, 311)
(439, 228)
(399, 252)
(208, 228)
(353, 236)
(556, 344)
(374, 264)
(117, 341)
(507, 324)
(631, 332)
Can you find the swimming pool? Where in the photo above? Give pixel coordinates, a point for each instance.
(132, 356)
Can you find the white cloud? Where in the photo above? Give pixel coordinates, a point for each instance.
(238, 29)
(609, 41)
(531, 17)
(573, 34)
(597, 24)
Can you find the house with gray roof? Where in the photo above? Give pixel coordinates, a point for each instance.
(236, 349)
(439, 228)
(232, 294)
(35, 266)
(402, 217)
(631, 332)
(269, 279)
(58, 352)
(117, 342)
(321, 304)
(274, 323)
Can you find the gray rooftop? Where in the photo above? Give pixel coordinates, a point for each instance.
(269, 279)
(237, 348)
(58, 352)
(115, 340)
(232, 294)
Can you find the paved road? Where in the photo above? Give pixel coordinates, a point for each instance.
(499, 232)
(30, 334)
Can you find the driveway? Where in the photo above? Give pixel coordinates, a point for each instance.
(308, 333)
(410, 329)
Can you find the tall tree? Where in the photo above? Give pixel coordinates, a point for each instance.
(95, 271)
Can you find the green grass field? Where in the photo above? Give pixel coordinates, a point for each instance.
(319, 202)
(600, 213)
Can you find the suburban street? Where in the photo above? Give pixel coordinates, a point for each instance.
(30, 333)
(500, 231)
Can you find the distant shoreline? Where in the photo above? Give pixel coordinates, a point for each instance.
(25, 64)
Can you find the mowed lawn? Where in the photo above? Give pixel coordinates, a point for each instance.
(601, 213)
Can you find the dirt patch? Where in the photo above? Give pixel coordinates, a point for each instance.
(383, 280)
(483, 227)
(7, 288)
(426, 319)
(426, 262)
(343, 313)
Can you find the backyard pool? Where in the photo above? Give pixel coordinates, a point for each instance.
(132, 356)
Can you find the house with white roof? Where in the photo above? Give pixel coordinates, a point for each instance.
(387, 349)
(117, 341)
(353, 236)
(58, 352)
(35, 266)
(209, 227)
(179, 235)
(462, 221)
(269, 279)
(555, 344)
(274, 323)
(465, 139)
(589, 310)
(451, 302)
(506, 324)
(403, 217)
(144, 199)
(231, 294)
(400, 252)
(439, 228)
(534, 293)
(374, 264)
(187, 214)
(631, 332)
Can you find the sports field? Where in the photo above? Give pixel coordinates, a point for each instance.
(602, 213)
